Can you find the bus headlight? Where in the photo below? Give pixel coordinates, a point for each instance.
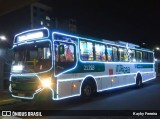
(17, 68)
(46, 82)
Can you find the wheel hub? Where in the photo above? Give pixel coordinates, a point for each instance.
(87, 90)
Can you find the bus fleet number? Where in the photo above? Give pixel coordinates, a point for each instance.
(89, 67)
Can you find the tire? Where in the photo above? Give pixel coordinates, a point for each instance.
(139, 81)
(87, 90)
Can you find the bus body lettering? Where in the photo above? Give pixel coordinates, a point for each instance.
(89, 67)
(122, 69)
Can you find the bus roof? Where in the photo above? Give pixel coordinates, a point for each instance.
(44, 33)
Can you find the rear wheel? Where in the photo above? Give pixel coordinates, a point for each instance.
(139, 81)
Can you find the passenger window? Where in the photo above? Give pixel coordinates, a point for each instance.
(121, 54)
(150, 57)
(126, 53)
(145, 57)
(100, 52)
(65, 57)
(132, 56)
(115, 54)
(138, 56)
(86, 51)
(109, 53)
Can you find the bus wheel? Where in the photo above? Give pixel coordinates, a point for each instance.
(87, 90)
(139, 81)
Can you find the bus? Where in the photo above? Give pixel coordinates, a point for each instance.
(70, 66)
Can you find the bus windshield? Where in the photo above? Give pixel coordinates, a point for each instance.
(32, 58)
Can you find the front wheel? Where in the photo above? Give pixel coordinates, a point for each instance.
(87, 90)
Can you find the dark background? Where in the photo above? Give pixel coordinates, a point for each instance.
(135, 21)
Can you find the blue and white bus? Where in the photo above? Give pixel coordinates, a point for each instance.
(71, 66)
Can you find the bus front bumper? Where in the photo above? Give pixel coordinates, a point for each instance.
(45, 93)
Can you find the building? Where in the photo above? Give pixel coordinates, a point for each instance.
(67, 25)
(41, 16)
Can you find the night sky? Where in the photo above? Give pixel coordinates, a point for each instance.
(136, 21)
(132, 21)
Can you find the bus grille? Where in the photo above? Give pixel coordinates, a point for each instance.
(24, 79)
(24, 83)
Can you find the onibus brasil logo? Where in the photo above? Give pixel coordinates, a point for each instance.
(17, 113)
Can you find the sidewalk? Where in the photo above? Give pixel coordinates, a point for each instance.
(5, 97)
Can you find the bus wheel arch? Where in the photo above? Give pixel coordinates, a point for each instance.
(89, 87)
(138, 80)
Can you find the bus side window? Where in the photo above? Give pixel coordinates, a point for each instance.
(69, 53)
(115, 54)
(86, 51)
(139, 56)
(132, 56)
(126, 57)
(144, 57)
(100, 52)
(121, 54)
(65, 56)
(65, 53)
(150, 57)
(109, 53)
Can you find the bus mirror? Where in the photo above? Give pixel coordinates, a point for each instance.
(61, 49)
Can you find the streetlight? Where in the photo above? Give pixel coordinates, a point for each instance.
(3, 38)
(143, 43)
(157, 48)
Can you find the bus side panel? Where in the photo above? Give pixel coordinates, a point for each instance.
(131, 79)
(115, 75)
(106, 83)
(114, 81)
(64, 89)
(122, 80)
(76, 86)
(146, 70)
(147, 76)
(69, 88)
